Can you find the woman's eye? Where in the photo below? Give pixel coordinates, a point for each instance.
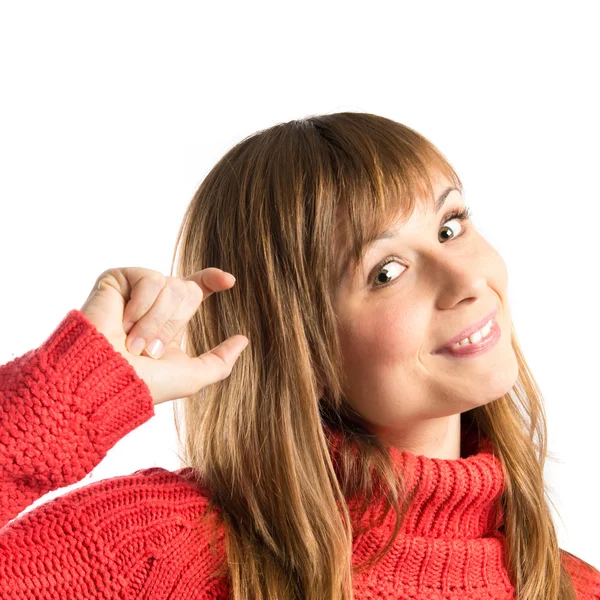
(382, 270)
(385, 270)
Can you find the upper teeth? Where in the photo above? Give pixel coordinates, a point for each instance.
(477, 336)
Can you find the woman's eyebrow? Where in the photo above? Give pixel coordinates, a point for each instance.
(439, 203)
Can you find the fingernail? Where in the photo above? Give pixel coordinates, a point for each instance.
(137, 346)
(231, 277)
(155, 348)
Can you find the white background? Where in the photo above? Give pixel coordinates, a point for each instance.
(112, 113)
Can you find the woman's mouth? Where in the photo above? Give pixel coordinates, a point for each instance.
(482, 341)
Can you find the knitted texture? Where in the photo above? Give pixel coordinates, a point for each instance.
(65, 404)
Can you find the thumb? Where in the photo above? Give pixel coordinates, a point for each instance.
(177, 375)
(216, 364)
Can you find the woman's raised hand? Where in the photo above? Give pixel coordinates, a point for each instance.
(143, 311)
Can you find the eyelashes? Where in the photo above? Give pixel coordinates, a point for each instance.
(462, 214)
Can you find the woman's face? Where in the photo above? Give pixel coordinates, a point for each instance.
(445, 277)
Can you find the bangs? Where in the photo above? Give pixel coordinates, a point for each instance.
(384, 193)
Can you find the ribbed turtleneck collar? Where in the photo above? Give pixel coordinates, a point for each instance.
(449, 544)
(454, 498)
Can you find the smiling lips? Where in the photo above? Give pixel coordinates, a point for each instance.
(465, 333)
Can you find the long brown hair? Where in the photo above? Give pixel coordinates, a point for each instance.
(270, 212)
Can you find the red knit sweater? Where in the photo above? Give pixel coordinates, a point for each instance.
(65, 404)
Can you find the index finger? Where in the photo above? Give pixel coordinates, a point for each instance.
(211, 280)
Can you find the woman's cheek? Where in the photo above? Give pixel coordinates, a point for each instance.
(387, 336)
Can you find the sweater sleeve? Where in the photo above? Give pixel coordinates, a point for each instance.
(62, 407)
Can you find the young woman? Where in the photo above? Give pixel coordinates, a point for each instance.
(381, 436)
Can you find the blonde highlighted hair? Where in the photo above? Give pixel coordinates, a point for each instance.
(271, 212)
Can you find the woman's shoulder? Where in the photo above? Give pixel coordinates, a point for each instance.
(142, 519)
(586, 578)
(185, 480)
(146, 498)
(179, 494)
